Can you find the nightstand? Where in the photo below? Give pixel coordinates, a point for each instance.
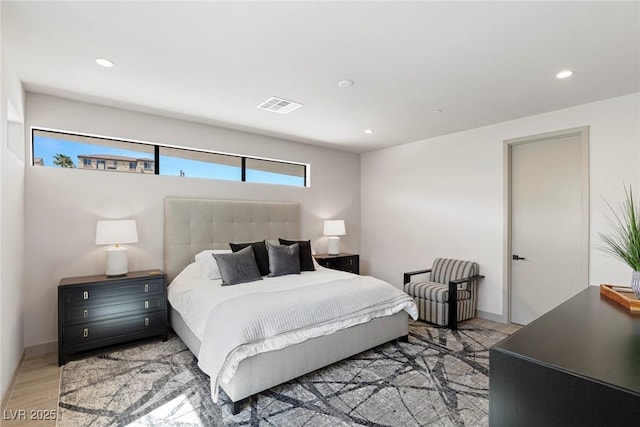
(99, 311)
(344, 262)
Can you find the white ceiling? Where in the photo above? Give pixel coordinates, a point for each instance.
(214, 62)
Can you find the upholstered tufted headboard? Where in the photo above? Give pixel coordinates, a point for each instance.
(193, 225)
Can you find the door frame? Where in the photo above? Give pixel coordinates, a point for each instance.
(583, 133)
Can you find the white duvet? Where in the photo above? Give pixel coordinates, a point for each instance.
(239, 321)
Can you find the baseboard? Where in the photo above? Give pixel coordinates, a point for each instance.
(48, 347)
(5, 398)
(491, 316)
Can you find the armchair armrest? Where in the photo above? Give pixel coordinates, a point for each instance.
(408, 274)
(466, 279)
(453, 299)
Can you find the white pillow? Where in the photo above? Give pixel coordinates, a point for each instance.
(318, 266)
(208, 264)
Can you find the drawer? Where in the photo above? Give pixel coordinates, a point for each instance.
(91, 293)
(349, 264)
(92, 312)
(96, 331)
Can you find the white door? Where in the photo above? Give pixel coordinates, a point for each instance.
(549, 221)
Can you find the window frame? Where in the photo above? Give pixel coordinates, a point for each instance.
(155, 166)
(233, 161)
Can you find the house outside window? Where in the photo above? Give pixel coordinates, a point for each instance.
(114, 163)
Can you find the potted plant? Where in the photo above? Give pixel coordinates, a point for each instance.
(624, 241)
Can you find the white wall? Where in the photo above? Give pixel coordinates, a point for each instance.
(438, 197)
(11, 221)
(444, 196)
(62, 206)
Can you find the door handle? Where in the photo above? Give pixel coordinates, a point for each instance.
(516, 257)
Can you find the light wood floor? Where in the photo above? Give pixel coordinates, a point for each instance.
(490, 324)
(35, 393)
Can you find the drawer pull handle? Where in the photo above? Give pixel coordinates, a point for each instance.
(85, 332)
(85, 314)
(350, 262)
(146, 304)
(85, 295)
(146, 321)
(146, 287)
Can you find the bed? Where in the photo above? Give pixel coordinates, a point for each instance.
(194, 225)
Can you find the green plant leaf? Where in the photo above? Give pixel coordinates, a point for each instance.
(624, 241)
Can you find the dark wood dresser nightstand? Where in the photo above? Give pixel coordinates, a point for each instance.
(344, 262)
(99, 311)
(576, 365)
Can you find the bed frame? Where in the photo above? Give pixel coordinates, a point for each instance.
(193, 225)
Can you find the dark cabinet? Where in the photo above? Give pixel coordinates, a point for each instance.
(99, 311)
(577, 365)
(344, 262)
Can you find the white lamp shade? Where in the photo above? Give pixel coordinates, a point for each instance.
(115, 232)
(334, 227)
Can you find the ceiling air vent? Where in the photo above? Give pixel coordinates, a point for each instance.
(279, 105)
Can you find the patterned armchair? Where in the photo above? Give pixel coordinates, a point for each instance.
(450, 294)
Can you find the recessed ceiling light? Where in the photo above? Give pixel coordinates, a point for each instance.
(104, 62)
(436, 111)
(564, 74)
(345, 83)
(368, 131)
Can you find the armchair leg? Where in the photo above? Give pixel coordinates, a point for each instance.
(453, 306)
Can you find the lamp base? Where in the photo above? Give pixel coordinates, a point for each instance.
(333, 247)
(116, 261)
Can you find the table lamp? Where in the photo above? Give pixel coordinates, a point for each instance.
(333, 229)
(116, 232)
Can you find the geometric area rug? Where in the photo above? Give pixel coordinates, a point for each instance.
(440, 377)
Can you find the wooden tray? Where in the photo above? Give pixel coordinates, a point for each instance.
(625, 299)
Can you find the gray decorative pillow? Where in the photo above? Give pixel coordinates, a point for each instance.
(238, 267)
(283, 259)
(259, 251)
(306, 257)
